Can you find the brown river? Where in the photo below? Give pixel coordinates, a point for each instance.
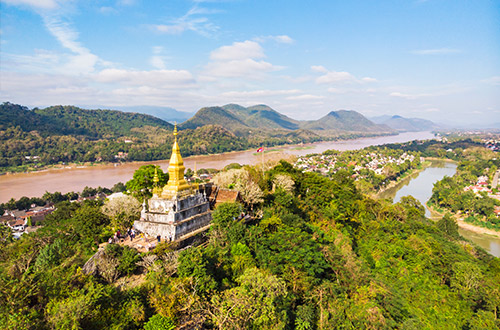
(76, 178)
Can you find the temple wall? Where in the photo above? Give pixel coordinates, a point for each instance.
(191, 212)
(192, 224)
(155, 229)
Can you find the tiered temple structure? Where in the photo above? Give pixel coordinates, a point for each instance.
(176, 209)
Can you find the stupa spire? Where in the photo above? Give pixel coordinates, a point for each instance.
(176, 182)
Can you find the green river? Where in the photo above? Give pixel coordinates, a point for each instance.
(420, 185)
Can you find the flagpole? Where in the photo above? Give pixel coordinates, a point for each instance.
(262, 162)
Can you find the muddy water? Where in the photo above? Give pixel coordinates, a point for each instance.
(75, 179)
(420, 186)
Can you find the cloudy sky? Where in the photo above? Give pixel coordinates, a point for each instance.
(435, 59)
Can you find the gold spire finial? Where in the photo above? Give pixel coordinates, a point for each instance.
(155, 178)
(156, 190)
(175, 130)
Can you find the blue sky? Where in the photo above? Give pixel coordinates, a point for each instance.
(435, 59)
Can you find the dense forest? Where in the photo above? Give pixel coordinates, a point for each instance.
(321, 256)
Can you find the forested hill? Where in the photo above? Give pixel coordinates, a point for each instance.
(34, 139)
(402, 124)
(239, 119)
(70, 120)
(320, 256)
(242, 121)
(345, 120)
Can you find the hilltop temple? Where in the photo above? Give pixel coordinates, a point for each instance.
(176, 209)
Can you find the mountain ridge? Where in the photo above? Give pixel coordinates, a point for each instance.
(242, 120)
(403, 124)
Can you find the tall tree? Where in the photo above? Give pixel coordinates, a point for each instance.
(141, 185)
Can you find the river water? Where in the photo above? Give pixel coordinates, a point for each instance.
(75, 179)
(420, 185)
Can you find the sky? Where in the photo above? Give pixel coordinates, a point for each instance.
(433, 59)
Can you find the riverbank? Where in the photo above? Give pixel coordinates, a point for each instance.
(394, 183)
(436, 215)
(35, 168)
(291, 148)
(76, 178)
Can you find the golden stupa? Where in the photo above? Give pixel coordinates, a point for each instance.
(176, 185)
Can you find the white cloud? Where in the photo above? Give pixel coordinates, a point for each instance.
(335, 77)
(282, 39)
(238, 51)
(191, 21)
(495, 80)
(239, 68)
(38, 4)
(157, 78)
(158, 60)
(305, 97)
(319, 68)
(409, 96)
(338, 77)
(437, 51)
(368, 79)
(170, 29)
(241, 59)
(259, 93)
(336, 90)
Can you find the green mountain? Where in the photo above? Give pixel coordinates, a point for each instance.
(261, 118)
(70, 120)
(214, 116)
(402, 124)
(241, 120)
(344, 120)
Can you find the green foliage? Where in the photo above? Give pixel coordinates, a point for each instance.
(141, 186)
(322, 256)
(126, 256)
(51, 255)
(119, 187)
(89, 222)
(199, 264)
(159, 322)
(5, 235)
(448, 225)
(257, 302)
(450, 192)
(226, 228)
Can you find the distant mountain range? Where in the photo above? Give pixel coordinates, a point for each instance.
(243, 121)
(166, 113)
(402, 124)
(64, 134)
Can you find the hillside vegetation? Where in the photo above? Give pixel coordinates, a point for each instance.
(33, 139)
(261, 118)
(322, 256)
